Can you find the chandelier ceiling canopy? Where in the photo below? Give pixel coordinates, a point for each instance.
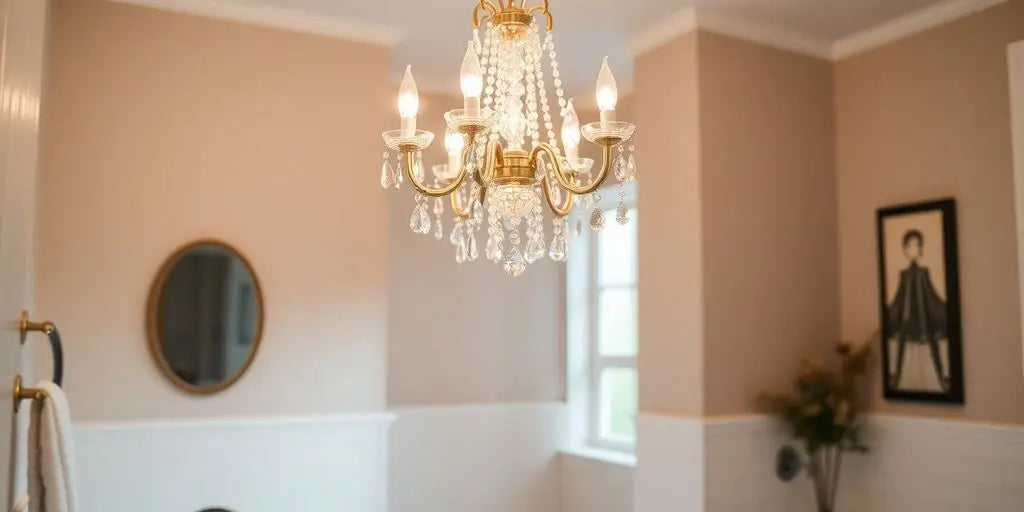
(504, 159)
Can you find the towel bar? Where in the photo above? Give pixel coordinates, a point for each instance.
(25, 325)
(20, 393)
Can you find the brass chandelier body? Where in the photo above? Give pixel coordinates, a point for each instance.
(515, 167)
(484, 163)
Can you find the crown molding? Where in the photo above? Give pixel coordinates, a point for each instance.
(243, 11)
(690, 18)
(908, 25)
(765, 34)
(677, 24)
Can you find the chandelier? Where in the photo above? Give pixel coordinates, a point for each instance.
(504, 159)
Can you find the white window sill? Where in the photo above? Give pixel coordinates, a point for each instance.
(602, 455)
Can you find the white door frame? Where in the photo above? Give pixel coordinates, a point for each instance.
(1016, 68)
(22, 56)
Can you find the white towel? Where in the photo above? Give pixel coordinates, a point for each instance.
(51, 483)
(22, 503)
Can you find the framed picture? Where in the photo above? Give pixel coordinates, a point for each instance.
(919, 295)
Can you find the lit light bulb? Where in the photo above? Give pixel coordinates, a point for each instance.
(472, 81)
(453, 144)
(571, 134)
(607, 92)
(408, 103)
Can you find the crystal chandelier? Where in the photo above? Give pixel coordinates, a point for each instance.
(503, 155)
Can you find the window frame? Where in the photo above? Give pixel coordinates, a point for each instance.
(585, 362)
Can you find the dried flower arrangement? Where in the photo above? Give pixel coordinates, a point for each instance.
(822, 412)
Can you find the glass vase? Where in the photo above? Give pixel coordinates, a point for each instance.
(824, 470)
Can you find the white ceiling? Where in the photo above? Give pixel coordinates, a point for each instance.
(434, 32)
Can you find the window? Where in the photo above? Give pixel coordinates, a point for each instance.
(602, 331)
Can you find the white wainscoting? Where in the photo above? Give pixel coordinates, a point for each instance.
(312, 464)
(740, 468)
(595, 483)
(669, 475)
(924, 465)
(916, 465)
(477, 458)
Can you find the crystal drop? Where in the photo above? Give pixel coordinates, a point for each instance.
(385, 176)
(460, 252)
(473, 253)
(534, 249)
(417, 167)
(438, 206)
(597, 219)
(515, 265)
(493, 249)
(620, 167)
(558, 246)
(415, 221)
(386, 154)
(631, 168)
(478, 210)
(438, 229)
(456, 229)
(622, 214)
(579, 226)
(424, 219)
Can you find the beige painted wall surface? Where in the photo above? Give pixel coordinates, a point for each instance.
(161, 128)
(768, 186)
(924, 118)
(670, 261)
(466, 333)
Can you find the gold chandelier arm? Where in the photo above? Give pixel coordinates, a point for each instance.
(409, 160)
(566, 179)
(485, 5)
(465, 213)
(492, 159)
(565, 208)
(543, 8)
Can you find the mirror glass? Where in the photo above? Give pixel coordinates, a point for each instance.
(205, 316)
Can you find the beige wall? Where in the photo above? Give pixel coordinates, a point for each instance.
(738, 245)
(161, 128)
(923, 118)
(467, 333)
(666, 104)
(769, 217)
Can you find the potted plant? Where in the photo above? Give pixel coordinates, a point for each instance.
(822, 411)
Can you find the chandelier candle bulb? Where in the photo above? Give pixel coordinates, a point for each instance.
(472, 82)
(607, 92)
(408, 103)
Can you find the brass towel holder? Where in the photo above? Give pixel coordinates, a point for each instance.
(25, 325)
(22, 393)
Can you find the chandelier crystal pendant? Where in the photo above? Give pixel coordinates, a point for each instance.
(504, 160)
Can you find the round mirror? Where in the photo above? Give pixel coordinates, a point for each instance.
(205, 316)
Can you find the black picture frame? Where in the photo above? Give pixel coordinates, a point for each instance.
(904, 317)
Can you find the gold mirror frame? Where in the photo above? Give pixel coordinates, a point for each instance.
(152, 318)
